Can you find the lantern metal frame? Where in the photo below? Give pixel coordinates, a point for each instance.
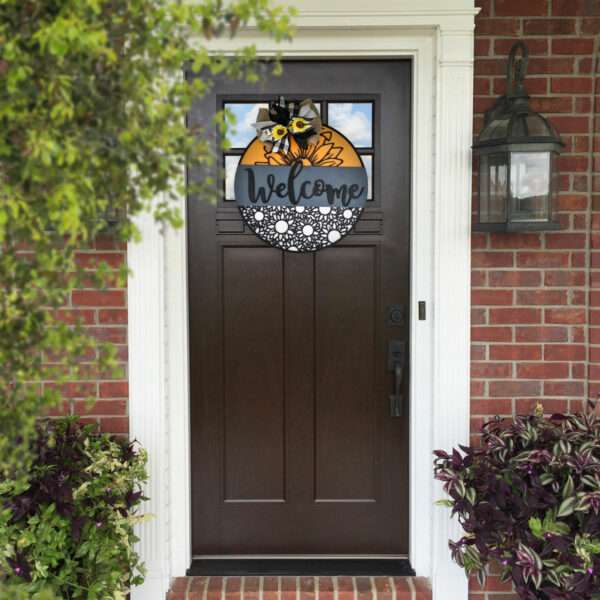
(507, 132)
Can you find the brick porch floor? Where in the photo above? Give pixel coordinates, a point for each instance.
(299, 588)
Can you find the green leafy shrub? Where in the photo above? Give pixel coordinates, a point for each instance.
(68, 528)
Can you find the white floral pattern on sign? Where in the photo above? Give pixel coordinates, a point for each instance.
(302, 228)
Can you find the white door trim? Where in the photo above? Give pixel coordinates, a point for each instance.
(439, 40)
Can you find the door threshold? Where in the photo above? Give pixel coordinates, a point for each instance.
(236, 567)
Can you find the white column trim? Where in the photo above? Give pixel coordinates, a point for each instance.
(177, 383)
(452, 282)
(147, 398)
(439, 40)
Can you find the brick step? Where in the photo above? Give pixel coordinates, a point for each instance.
(299, 588)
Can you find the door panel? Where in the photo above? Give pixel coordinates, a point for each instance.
(254, 396)
(345, 396)
(294, 450)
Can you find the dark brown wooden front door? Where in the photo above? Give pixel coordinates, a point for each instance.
(294, 448)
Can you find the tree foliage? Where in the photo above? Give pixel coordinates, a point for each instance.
(92, 124)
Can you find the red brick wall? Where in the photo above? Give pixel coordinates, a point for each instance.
(536, 314)
(104, 313)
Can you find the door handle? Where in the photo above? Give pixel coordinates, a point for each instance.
(396, 352)
(396, 399)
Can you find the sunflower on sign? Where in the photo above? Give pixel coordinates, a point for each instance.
(324, 153)
(293, 132)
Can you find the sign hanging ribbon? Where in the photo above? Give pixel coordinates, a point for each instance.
(283, 120)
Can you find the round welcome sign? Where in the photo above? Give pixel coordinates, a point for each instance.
(300, 185)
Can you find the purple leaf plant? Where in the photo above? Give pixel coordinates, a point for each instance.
(528, 499)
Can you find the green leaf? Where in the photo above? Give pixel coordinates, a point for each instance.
(568, 488)
(535, 525)
(567, 507)
(447, 503)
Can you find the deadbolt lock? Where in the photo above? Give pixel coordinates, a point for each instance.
(395, 315)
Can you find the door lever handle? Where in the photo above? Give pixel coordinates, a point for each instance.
(396, 351)
(396, 399)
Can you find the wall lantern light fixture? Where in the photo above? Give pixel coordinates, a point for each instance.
(517, 151)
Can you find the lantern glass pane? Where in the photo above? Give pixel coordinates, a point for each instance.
(555, 186)
(536, 126)
(530, 186)
(493, 188)
(496, 129)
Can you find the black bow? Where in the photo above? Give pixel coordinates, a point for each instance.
(283, 120)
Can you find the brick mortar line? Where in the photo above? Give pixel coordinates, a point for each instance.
(411, 585)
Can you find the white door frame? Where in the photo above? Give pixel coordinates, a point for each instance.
(438, 36)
